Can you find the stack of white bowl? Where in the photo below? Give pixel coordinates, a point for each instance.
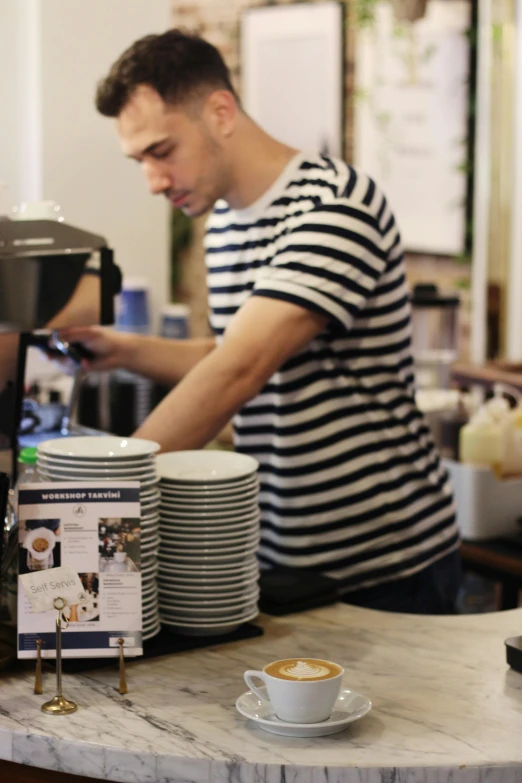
(111, 458)
(209, 529)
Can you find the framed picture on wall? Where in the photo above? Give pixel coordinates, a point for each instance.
(411, 120)
(292, 73)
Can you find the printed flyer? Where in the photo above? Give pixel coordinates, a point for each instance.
(93, 527)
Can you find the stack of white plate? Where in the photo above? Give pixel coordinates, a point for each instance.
(111, 458)
(209, 530)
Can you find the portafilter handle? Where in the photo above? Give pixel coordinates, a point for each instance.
(75, 351)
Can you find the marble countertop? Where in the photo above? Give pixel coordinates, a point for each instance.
(446, 708)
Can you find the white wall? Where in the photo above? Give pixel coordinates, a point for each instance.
(10, 148)
(76, 150)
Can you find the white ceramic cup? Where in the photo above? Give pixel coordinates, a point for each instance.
(40, 532)
(299, 700)
(38, 210)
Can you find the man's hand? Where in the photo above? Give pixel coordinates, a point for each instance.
(111, 349)
(161, 360)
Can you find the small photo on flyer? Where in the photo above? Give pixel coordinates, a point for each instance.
(39, 545)
(119, 545)
(87, 612)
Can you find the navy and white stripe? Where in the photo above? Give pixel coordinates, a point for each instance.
(351, 483)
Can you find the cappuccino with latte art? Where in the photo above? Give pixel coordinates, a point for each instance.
(300, 690)
(307, 669)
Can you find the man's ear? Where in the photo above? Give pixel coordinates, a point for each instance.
(222, 109)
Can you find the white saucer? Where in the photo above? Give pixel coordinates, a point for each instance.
(208, 627)
(208, 493)
(350, 706)
(103, 447)
(206, 466)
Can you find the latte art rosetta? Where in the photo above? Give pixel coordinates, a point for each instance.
(304, 671)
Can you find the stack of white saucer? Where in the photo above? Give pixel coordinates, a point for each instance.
(209, 530)
(111, 458)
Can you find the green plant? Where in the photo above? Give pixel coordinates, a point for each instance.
(365, 12)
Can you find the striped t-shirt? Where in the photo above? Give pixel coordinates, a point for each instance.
(351, 482)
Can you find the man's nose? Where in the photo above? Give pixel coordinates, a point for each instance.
(158, 181)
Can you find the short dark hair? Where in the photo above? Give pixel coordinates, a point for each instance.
(177, 64)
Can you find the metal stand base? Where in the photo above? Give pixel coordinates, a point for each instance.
(59, 705)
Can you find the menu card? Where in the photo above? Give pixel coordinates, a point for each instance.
(93, 527)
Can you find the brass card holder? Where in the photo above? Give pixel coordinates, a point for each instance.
(38, 688)
(59, 705)
(123, 681)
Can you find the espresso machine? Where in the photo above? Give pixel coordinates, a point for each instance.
(42, 264)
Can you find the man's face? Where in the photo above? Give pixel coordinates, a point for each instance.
(181, 151)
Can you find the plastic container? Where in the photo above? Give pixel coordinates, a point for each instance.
(27, 467)
(483, 442)
(133, 315)
(27, 472)
(133, 309)
(487, 506)
(175, 321)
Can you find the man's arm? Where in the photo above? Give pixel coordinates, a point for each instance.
(263, 334)
(162, 360)
(83, 307)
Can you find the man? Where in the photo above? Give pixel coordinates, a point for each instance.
(312, 320)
